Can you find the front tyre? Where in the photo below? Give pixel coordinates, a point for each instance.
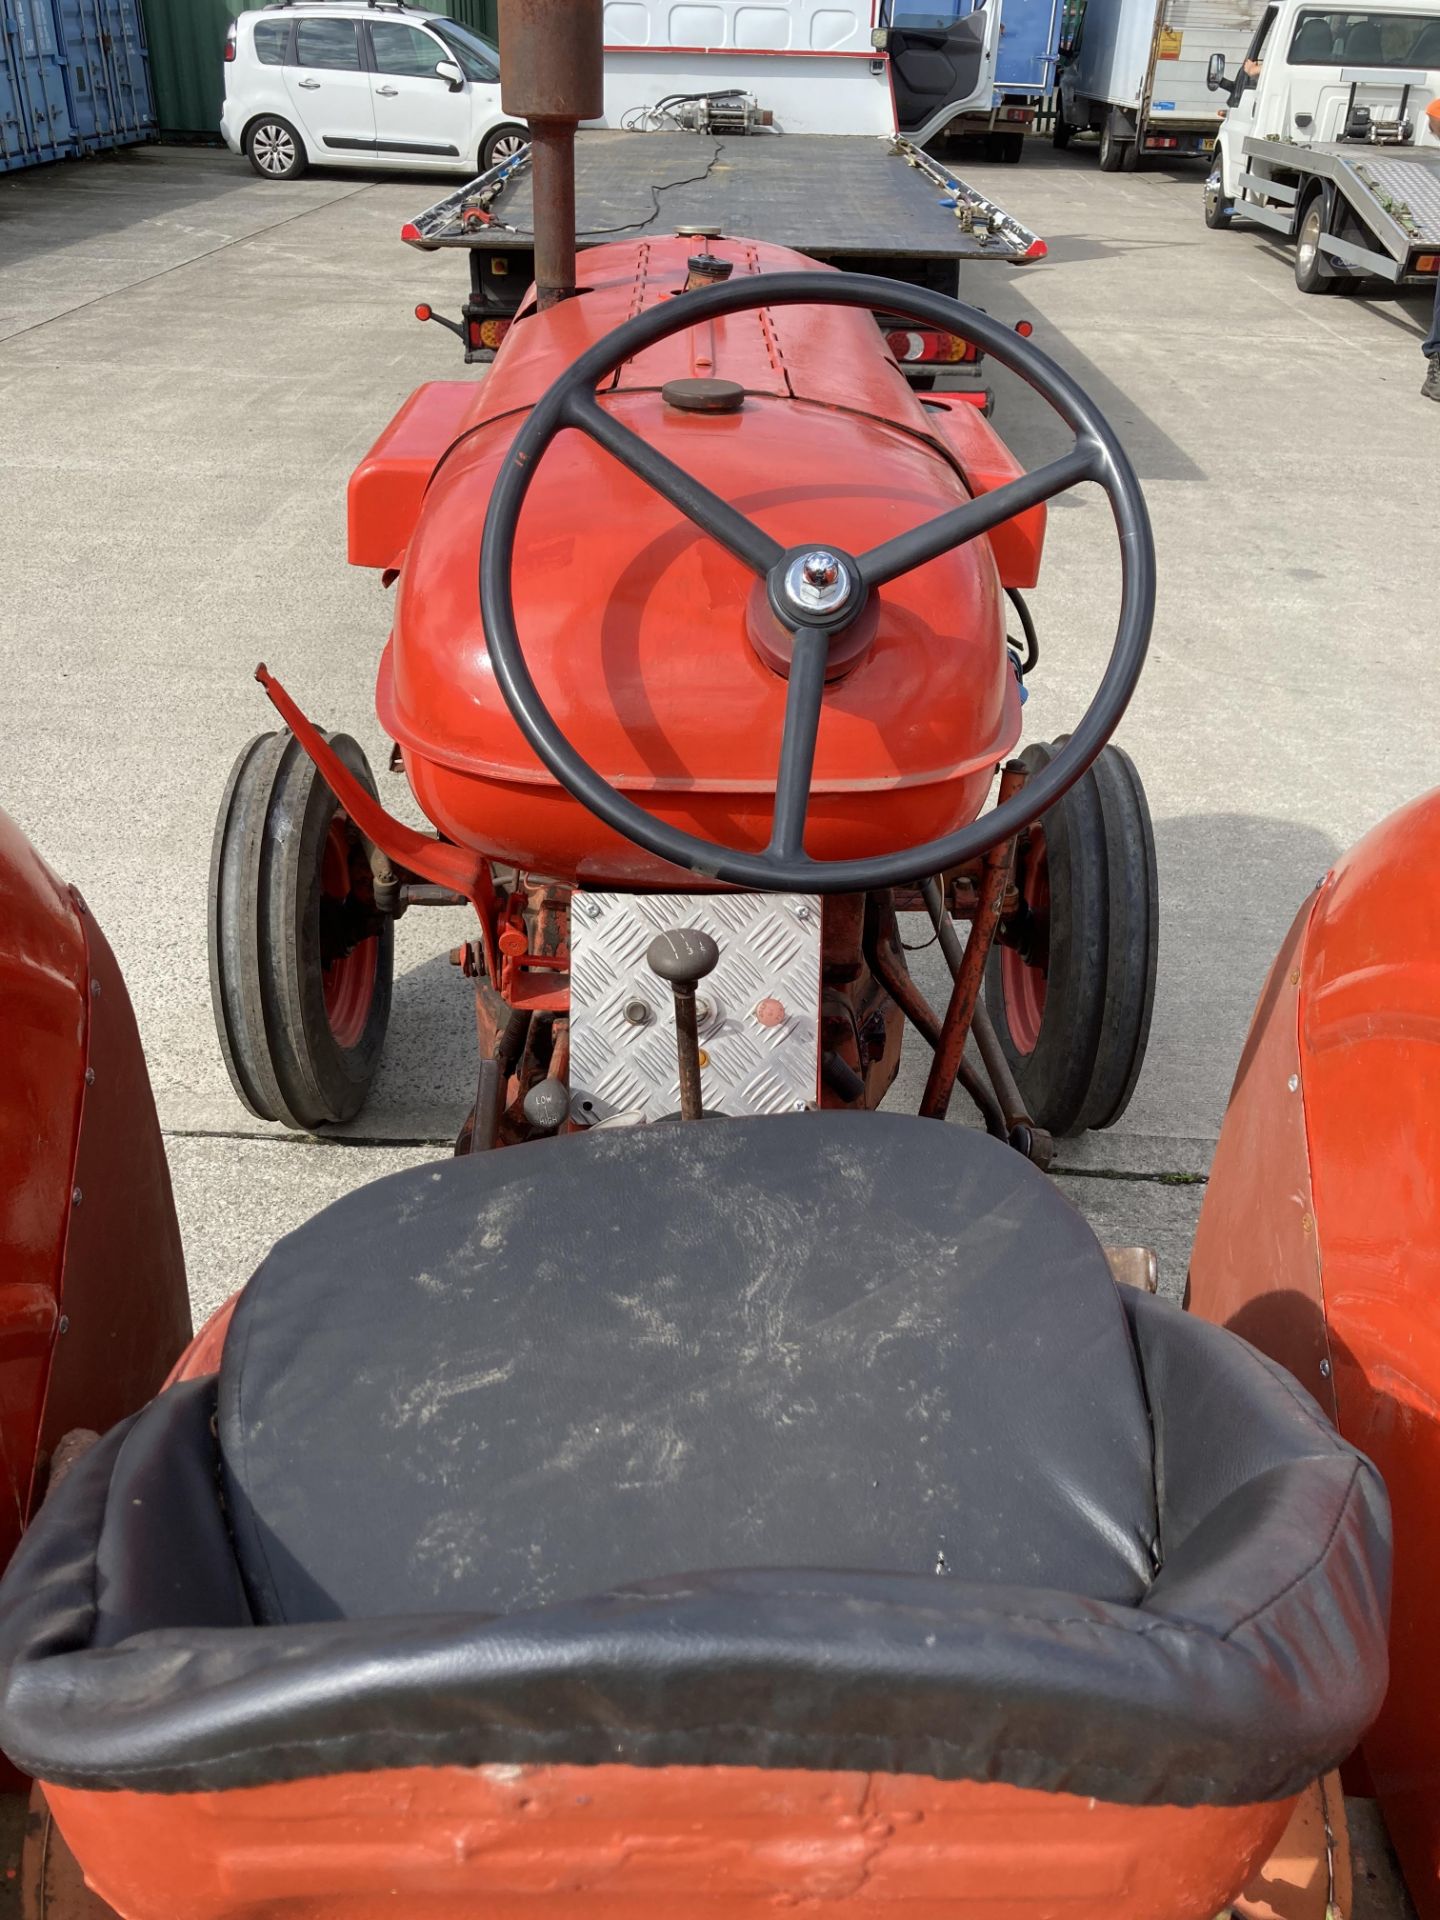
(1070, 983)
(301, 960)
(1219, 212)
(275, 150)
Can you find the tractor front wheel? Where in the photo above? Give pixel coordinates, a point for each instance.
(1071, 981)
(301, 960)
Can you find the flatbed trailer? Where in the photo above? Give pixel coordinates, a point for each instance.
(858, 203)
(1381, 207)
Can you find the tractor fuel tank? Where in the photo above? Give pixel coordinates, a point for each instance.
(645, 638)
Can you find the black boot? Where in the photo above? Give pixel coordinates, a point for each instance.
(1431, 388)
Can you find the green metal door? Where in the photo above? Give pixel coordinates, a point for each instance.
(187, 54)
(481, 16)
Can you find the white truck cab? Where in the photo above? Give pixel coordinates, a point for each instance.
(1326, 140)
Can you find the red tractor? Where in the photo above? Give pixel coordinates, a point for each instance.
(788, 1513)
(685, 637)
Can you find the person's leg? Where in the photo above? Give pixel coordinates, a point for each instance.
(1431, 350)
(1432, 345)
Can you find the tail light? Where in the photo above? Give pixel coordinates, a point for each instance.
(487, 333)
(1161, 140)
(229, 42)
(1427, 263)
(919, 345)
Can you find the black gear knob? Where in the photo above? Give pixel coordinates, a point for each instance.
(546, 1106)
(682, 956)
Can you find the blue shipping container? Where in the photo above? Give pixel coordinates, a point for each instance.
(107, 71)
(74, 77)
(1029, 39)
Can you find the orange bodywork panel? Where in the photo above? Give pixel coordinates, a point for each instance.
(1320, 1241)
(387, 489)
(93, 1306)
(987, 463)
(626, 1843)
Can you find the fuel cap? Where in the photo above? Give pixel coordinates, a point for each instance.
(703, 396)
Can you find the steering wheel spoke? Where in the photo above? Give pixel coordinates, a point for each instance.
(803, 702)
(986, 511)
(707, 510)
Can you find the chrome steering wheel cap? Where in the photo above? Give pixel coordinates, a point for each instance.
(816, 587)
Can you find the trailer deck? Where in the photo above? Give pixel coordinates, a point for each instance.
(841, 198)
(1396, 190)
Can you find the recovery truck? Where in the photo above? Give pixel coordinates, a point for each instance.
(1135, 72)
(1327, 142)
(865, 205)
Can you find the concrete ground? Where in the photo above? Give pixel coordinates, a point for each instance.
(191, 362)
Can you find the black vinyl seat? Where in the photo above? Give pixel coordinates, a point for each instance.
(825, 1441)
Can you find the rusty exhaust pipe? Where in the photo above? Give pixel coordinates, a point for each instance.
(552, 76)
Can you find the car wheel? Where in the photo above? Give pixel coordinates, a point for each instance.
(502, 143)
(1112, 151)
(1310, 274)
(275, 150)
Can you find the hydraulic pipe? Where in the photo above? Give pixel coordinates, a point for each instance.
(955, 1031)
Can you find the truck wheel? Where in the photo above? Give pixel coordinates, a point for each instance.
(1310, 274)
(1060, 131)
(1113, 151)
(1071, 988)
(1218, 210)
(1007, 148)
(301, 962)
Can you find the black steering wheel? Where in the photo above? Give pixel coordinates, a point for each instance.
(818, 591)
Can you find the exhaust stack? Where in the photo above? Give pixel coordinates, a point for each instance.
(552, 75)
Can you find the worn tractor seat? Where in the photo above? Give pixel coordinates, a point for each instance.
(822, 1442)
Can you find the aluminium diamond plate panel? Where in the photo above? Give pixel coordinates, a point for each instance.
(1408, 187)
(759, 1010)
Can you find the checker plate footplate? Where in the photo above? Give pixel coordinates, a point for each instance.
(769, 951)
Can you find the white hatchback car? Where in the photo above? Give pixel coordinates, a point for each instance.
(362, 85)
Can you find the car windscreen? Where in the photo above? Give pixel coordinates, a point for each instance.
(478, 59)
(1343, 37)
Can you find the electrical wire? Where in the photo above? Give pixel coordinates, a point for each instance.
(634, 226)
(1027, 622)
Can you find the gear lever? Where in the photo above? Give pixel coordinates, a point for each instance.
(683, 956)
